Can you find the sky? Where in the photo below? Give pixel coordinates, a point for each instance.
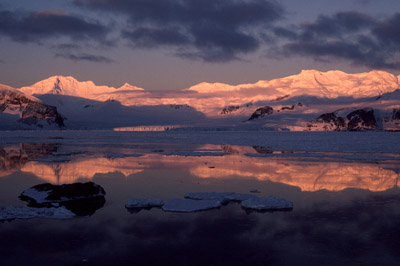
(174, 44)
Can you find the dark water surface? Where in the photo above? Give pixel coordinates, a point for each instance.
(346, 205)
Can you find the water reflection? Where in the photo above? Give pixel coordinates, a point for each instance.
(329, 225)
(307, 173)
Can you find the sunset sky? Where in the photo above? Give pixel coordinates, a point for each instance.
(174, 44)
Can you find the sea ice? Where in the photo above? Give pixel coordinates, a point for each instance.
(224, 197)
(268, 203)
(209, 196)
(12, 212)
(143, 203)
(189, 205)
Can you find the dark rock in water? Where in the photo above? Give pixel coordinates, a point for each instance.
(261, 112)
(80, 198)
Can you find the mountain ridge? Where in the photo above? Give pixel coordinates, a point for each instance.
(289, 103)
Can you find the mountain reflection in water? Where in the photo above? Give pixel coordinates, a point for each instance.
(330, 224)
(307, 173)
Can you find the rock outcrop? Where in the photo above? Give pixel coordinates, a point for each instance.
(30, 112)
(346, 120)
(261, 112)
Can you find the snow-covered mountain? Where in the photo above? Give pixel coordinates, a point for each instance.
(297, 102)
(61, 85)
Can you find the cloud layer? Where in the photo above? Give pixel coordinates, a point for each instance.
(352, 36)
(210, 30)
(41, 25)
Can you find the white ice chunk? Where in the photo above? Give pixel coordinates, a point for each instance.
(239, 197)
(143, 203)
(224, 197)
(189, 205)
(12, 212)
(209, 196)
(269, 203)
(39, 196)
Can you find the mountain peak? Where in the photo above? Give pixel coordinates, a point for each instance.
(128, 86)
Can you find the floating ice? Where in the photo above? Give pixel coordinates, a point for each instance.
(224, 197)
(240, 197)
(189, 205)
(209, 196)
(143, 203)
(12, 212)
(40, 196)
(269, 203)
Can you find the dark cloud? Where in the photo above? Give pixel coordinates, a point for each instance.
(211, 30)
(151, 37)
(352, 36)
(84, 57)
(40, 25)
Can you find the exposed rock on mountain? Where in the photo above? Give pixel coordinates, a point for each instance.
(261, 112)
(230, 109)
(30, 112)
(348, 119)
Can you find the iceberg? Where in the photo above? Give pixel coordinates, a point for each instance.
(224, 197)
(189, 205)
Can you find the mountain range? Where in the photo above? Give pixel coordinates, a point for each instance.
(311, 100)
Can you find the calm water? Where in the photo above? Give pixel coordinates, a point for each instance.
(346, 205)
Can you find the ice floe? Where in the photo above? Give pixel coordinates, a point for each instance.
(189, 205)
(268, 203)
(200, 201)
(134, 203)
(224, 197)
(12, 212)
